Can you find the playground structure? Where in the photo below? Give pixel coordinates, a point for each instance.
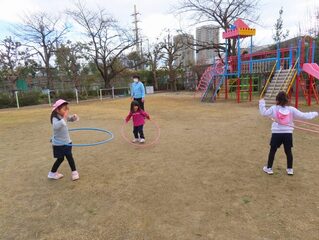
(263, 73)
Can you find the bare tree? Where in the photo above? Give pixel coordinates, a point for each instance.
(13, 59)
(42, 33)
(171, 52)
(107, 40)
(153, 57)
(310, 24)
(67, 60)
(280, 34)
(221, 13)
(135, 60)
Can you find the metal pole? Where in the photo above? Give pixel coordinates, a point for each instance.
(278, 57)
(238, 69)
(290, 56)
(113, 92)
(101, 97)
(17, 99)
(226, 70)
(297, 91)
(307, 50)
(313, 50)
(226, 58)
(250, 88)
(238, 90)
(226, 87)
(251, 56)
(310, 90)
(77, 96)
(49, 97)
(299, 57)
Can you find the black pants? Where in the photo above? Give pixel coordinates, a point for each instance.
(140, 102)
(276, 140)
(59, 152)
(58, 162)
(138, 130)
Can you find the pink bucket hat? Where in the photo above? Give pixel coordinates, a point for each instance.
(58, 103)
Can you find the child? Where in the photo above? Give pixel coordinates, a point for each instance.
(282, 128)
(138, 121)
(59, 117)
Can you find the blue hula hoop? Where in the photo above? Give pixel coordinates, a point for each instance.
(87, 144)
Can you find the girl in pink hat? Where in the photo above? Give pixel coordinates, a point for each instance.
(282, 128)
(59, 118)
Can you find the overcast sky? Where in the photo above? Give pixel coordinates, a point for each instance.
(155, 14)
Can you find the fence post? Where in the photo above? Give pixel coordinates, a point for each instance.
(49, 97)
(77, 96)
(101, 97)
(278, 57)
(113, 92)
(17, 99)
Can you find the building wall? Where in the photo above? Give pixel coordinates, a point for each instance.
(207, 35)
(185, 53)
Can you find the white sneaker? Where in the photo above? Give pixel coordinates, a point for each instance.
(75, 175)
(135, 140)
(55, 175)
(142, 140)
(290, 171)
(268, 170)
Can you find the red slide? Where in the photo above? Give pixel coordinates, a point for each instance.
(312, 69)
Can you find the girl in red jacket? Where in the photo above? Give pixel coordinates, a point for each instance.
(138, 116)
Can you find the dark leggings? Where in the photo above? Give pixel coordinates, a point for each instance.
(138, 130)
(58, 162)
(272, 153)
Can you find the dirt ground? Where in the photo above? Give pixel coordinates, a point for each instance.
(203, 180)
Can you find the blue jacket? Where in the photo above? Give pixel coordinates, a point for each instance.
(137, 90)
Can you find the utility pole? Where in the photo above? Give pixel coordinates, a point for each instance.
(136, 30)
(138, 39)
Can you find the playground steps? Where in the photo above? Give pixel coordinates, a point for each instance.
(204, 81)
(207, 95)
(280, 82)
(213, 88)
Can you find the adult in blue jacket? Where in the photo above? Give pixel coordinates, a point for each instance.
(138, 91)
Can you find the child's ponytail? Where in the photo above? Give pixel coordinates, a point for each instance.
(54, 114)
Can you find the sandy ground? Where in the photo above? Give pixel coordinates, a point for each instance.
(203, 180)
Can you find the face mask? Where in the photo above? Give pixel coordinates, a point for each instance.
(135, 79)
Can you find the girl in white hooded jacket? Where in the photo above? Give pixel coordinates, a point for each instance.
(282, 128)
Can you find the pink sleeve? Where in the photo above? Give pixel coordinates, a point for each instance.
(128, 117)
(145, 114)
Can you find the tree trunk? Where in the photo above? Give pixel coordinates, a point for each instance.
(106, 79)
(155, 80)
(172, 79)
(48, 75)
(12, 80)
(105, 75)
(47, 65)
(233, 47)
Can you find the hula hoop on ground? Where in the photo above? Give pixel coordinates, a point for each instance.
(109, 133)
(142, 145)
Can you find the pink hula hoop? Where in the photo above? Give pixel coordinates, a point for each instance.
(142, 145)
(307, 129)
(303, 128)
